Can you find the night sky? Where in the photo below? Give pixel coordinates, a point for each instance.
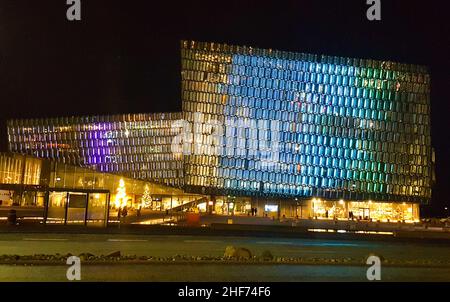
(124, 56)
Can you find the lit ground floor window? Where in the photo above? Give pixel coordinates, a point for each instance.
(311, 209)
(365, 210)
(100, 207)
(77, 208)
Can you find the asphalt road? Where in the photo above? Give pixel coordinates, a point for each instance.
(28, 244)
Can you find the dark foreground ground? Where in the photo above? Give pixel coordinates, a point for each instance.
(408, 254)
(221, 273)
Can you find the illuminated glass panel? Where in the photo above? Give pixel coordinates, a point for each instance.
(136, 145)
(266, 123)
(295, 124)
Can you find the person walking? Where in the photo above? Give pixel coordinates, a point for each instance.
(124, 213)
(138, 213)
(119, 214)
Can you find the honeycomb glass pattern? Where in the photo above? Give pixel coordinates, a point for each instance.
(135, 145)
(345, 128)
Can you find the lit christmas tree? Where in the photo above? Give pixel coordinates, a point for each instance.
(121, 195)
(146, 198)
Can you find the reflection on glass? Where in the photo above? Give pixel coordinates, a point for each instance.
(76, 210)
(97, 209)
(56, 207)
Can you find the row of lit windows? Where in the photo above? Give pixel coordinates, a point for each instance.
(17, 170)
(47, 142)
(157, 165)
(295, 67)
(298, 168)
(171, 175)
(386, 101)
(40, 143)
(352, 118)
(296, 143)
(302, 102)
(331, 136)
(97, 134)
(146, 160)
(351, 159)
(271, 78)
(116, 163)
(327, 174)
(131, 167)
(141, 157)
(239, 147)
(162, 174)
(267, 78)
(41, 126)
(319, 136)
(149, 152)
(92, 150)
(243, 60)
(308, 113)
(149, 142)
(214, 52)
(324, 115)
(110, 133)
(277, 71)
(393, 164)
(296, 122)
(306, 190)
(266, 105)
(332, 90)
(330, 147)
(102, 122)
(311, 182)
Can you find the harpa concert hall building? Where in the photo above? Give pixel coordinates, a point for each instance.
(292, 134)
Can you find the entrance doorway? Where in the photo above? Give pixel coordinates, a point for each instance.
(76, 208)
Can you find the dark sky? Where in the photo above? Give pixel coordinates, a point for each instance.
(123, 56)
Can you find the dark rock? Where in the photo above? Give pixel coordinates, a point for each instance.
(237, 253)
(115, 254)
(229, 251)
(267, 255)
(86, 256)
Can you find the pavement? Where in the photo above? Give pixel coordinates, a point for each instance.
(170, 245)
(220, 273)
(254, 226)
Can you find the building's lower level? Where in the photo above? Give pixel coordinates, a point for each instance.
(314, 209)
(56, 193)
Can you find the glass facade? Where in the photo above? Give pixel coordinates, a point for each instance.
(60, 193)
(278, 123)
(263, 123)
(135, 145)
